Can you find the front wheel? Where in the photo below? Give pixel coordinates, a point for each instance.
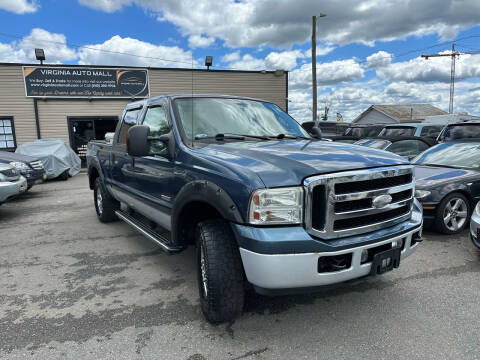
(105, 205)
(452, 214)
(220, 272)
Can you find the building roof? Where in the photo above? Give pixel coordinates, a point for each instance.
(276, 72)
(404, 112)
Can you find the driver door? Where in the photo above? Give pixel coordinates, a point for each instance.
(153, 174)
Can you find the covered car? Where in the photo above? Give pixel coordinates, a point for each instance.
(57, 157)
(447, 183)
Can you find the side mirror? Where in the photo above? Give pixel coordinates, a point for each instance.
(137, 140)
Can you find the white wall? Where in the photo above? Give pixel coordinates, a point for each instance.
(375, 117)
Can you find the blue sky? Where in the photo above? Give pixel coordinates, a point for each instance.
(368, 51)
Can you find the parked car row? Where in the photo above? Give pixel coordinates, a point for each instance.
(33, 163)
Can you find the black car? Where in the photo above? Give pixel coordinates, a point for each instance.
(448, 184)
(356, 132)
(406, 146)
(460, 131)
(30, 167)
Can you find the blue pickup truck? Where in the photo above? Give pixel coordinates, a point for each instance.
(267, 206)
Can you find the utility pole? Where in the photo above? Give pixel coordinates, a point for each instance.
(453, 55)
(314, 66)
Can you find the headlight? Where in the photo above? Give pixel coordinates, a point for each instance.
(19, 165)
(276, 206)
(3, 178)
(421, 194)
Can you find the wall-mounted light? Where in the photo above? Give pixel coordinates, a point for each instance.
(208, 61)
(40, 55)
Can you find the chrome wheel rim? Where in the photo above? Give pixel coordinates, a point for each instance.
(455, 214)
(203, 272)
(99, 202)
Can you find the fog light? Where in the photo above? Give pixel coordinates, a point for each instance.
(397, 244)
(364, 256)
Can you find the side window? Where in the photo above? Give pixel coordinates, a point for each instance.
(156, 119)
(431, 131)
(128, 121)
(7, 134)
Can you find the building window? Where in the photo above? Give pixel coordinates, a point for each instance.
(7, 134)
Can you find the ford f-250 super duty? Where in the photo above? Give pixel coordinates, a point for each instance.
(265, 203)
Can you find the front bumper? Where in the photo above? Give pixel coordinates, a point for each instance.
(272, 259)
(475, 229)
(34, 176)
(284, 271)
(10, 189)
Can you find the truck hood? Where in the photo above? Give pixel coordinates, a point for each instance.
(6, 157)
(288, 162)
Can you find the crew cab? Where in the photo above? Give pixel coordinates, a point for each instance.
(266, 205)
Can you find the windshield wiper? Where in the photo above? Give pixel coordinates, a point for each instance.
(438, 165)
(220, 137)
(289, 136)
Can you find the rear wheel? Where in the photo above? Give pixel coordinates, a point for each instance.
(452, 214)
(105, 205)
(220, 272)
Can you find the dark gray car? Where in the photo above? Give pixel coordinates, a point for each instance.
(448, 184)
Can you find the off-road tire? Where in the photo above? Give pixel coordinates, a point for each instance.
(109, 204)
(224, 298)
(439, 223)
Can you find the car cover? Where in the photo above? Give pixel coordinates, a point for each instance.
(55, 155)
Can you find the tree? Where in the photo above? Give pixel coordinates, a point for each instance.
(325, 113)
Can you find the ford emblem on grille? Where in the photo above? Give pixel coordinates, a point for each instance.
(381, 201)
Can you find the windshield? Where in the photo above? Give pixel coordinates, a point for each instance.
(207, 117)
(362, 132)
(457, 132)
(374, 143)
(461, 155)
(397, 131)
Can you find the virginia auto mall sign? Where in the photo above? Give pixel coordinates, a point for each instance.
(91, 82)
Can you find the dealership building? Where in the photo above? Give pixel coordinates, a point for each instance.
(78, 103)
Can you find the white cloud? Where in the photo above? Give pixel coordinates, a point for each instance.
(378, 60)
(230, 57)
(286, 60)
(321, 50)
(55, 46)
(114, 52)
(19, 6)
(198, 41)
(283, 23)
(433, 69)
(247, 62)
(328, 73)
(106, 5)
(350, 100)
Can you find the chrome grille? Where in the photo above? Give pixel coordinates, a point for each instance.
(37, 165)
(357, 202)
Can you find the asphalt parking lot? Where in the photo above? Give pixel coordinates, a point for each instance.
(74, 288)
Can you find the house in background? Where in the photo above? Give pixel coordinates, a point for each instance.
(393, 114)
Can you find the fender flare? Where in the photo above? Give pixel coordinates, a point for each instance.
(208, 192)
(91, 166)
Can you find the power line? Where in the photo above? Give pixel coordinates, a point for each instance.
(95, 49)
